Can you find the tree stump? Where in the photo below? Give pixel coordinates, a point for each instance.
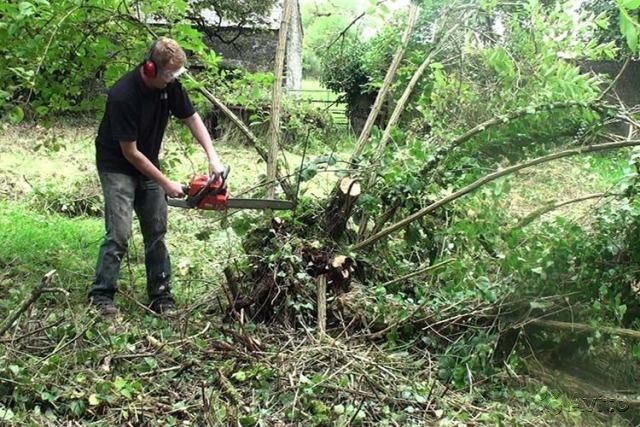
(341, 207)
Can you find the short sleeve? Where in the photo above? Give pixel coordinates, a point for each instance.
(123, 118)
(179, 102)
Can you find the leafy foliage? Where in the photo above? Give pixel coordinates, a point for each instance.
(343, 70)
(322, 21)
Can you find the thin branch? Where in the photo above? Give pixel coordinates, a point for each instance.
(351, 24)
(514, 115)
(551, 206)
(395, 118)
(488, 178)
(386, 84)
(583, 328)
(46, 49)
(417, 273)
(35, 294)
(613, 83)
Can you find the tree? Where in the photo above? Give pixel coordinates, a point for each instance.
(54, 68)
(323, 20)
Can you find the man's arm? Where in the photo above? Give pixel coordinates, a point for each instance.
(200, 133)
(144, 165)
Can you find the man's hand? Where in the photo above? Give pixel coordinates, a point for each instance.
(173, 189)
(216, 167)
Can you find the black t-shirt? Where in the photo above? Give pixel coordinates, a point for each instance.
(137, 113)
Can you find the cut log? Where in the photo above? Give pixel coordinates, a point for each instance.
(341, 207)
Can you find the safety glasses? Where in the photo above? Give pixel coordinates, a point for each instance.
(171, 75)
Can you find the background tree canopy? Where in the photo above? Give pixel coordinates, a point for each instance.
(55, 68)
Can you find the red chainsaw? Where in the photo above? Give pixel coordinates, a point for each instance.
(210, 193)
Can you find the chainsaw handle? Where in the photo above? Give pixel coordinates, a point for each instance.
(206, 189)
(223, 176)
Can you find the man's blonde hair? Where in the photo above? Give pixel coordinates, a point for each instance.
(167, 51)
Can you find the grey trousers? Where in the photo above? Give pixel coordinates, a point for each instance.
(124, 194)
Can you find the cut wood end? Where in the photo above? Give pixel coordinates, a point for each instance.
(340, 261)
(350, 186)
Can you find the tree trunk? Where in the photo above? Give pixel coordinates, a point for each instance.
(274, 126)
(340, 209)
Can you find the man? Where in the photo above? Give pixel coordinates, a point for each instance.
(127, 147)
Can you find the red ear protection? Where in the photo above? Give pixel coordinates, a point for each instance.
(149, 67)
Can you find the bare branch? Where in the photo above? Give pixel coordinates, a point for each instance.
(386, 85)
(615, 80)
(491, 177)
(351, 24)
(551, 206)
(35, 294)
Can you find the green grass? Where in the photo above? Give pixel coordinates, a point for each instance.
(322, 99)
(46, 241)
(312, 84)
(34, 243)
(567, 179)
(312, 90)
(611, 168)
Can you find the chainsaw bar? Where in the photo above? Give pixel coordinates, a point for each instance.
(209, 192)
(239, 204)
(259, 204)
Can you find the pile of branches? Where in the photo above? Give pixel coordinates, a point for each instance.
(86, 368)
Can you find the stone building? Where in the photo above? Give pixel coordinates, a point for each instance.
(252, 46)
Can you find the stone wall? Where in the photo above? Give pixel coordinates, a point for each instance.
(253, 50)
(627, 87)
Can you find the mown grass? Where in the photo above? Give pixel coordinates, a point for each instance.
(43, 241)
(323, 99)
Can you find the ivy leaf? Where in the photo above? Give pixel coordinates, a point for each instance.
(16, 115)
(26, 9)
(629, 30)
(309, 172)
(94, 400)
(6, 413)
(240, 376)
